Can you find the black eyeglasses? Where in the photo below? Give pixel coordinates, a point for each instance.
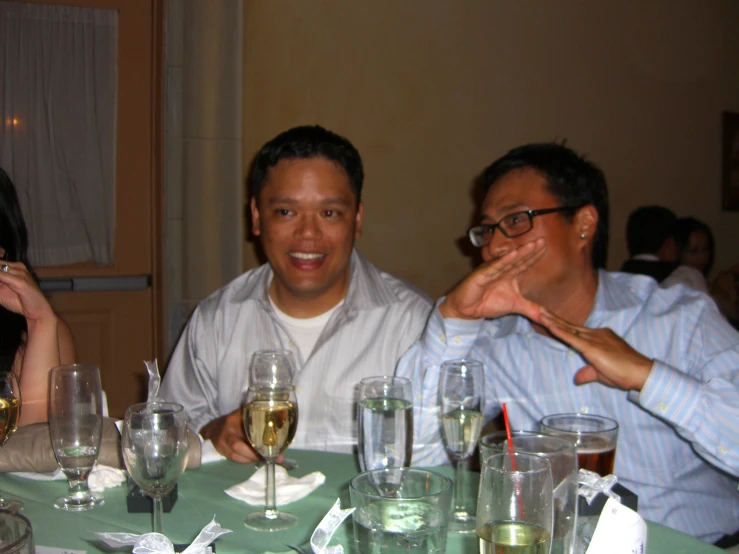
(512, 226)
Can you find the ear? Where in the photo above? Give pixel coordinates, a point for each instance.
(358, 221)
(254, 217)
(586, 223)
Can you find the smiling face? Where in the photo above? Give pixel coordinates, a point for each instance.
(307, 219)
(567, 259)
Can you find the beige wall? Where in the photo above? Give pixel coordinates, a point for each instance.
(432, 91)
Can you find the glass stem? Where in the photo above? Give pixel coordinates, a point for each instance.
(157, 514)
(460, 510)
(270, 504)
(79, 488)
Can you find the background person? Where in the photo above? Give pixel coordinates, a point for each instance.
(342, 317)
(33, 339)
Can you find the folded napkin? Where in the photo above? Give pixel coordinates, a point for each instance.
(288, 489)
(101, 477)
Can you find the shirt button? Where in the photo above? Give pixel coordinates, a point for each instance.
(291, 345)
(662, 407)
(723, 450)
(457, 340)
(584, 410)
(442, 338)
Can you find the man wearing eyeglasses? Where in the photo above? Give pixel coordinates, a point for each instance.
(558, 334)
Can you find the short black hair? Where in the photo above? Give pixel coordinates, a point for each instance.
(686, 226)
(305, 142)
(647, 229)
(571, 178)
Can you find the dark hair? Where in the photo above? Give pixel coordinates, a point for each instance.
(309, 141)
(571, 179)
(14, 239)
(686, 226)
(648, 228)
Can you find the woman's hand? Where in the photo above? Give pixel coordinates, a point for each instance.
(20, 294)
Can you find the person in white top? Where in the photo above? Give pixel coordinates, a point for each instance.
(343, 318)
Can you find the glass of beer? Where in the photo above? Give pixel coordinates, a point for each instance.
(594, 437)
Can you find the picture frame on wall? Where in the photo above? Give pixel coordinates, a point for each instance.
(730, 160)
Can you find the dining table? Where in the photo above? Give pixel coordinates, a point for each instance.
(201, 498)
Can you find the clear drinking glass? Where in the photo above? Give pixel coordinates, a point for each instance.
(16, 534)
(385, 423)
(76, 428)
(10, 413)
(270, 420)
(271, 367)
(155, 449)
(562, 457)
(514, 506)
(460, 397)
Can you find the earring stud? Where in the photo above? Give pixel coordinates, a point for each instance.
(583, 236)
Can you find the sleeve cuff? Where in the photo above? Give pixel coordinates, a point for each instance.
(669, 394)
(452, 338)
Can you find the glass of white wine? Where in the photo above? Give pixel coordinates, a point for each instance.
(270, 415)
(460, 396)
(76, 428)
(155, 449)
(10, 413)
(271, 367)
(514, 505)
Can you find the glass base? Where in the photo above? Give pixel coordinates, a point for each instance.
(11, 505)
(462, 522)
(79, 503)
(260, 522)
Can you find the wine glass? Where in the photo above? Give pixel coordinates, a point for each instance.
(10, 413)
(461, 422)
(270, 420)
(155, 449)
(269, 367)
(76, 428)
(385, 423)
(514, 506)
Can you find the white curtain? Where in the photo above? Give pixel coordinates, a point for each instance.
(58, 88)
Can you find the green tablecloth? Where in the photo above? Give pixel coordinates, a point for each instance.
(201, 497)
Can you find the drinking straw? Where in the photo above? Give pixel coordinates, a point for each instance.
(509, 437)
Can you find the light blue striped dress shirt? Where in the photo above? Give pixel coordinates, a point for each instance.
(678, 445)
(381, 317)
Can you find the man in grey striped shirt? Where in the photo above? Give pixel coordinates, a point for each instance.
(557, 334)
(343, 318)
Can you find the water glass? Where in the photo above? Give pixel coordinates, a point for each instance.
(594, 437)
(76, 428)
(514, 506)
(400, 510)
(562, 457)
(16, 534)
(385, 414)
(155, 450)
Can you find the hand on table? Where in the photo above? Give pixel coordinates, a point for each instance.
(492, 289)
(611, 360)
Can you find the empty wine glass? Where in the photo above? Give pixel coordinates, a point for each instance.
(10, 413)
(269, 367)
(460, 397)
(385, 423)
(76, 427)
(155, 449)
(270, 421)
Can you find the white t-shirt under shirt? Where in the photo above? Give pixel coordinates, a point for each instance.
(305, 332)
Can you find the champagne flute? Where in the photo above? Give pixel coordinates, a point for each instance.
(155, 449)
(76, 428)
(514, 507)
(10, 413)
(461, 422)
(270, 421)
(385, 423)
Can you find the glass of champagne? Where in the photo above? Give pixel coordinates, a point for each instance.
(460, 396)
(270, 415)
(154, 445)
(76, 428)
(10, 413)
(514, 506)
(385, 423)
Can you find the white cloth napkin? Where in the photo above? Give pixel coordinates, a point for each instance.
(289, 489)
(101, 477)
